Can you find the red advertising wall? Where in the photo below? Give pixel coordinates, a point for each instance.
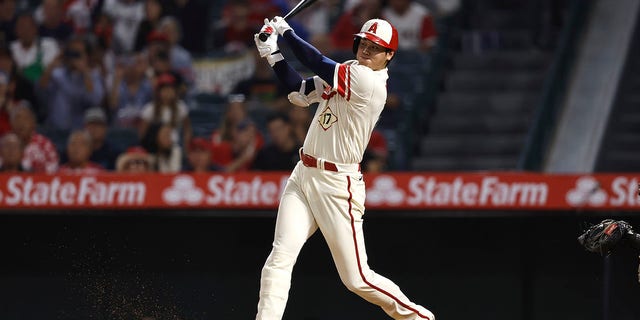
(393, 191)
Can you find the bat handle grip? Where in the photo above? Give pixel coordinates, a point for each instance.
(263, 36)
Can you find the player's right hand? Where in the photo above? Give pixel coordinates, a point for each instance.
(280, 25)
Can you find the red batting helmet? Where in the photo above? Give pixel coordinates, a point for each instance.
(378, 31)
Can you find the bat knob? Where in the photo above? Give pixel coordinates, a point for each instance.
(263, 36)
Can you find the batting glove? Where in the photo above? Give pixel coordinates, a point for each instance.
(269, 48)
(280, 25)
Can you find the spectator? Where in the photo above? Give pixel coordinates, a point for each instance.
(7, 21)
(235, 31)
(246, 142)
(263, 88)
(40, 154)
(300, 119)
(159, 57)
(103, 153)
(73, 88)
(375, 155)
(32, 54)
(193, 16)
(126, 16)
(181, 61)
(135, 160)
(222, 138)
(282, 153)
(167, 108)
(20, 88)
(166, 152)
(153, 13)
(50, 15)
(79, 149)
(102, 55)
(11, 153)
(81, 13)
(349, 23)
(5, 108)
(414, 22)
(130, 91)
(199, 156)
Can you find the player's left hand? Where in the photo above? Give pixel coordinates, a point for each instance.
(280, 25)
(269, 46)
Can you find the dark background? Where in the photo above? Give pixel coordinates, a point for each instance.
(206, 265)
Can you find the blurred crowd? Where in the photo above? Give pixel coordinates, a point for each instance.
(87, 67)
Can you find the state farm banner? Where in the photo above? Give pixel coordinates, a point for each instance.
(393, 191)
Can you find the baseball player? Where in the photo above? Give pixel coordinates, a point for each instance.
(325, 190)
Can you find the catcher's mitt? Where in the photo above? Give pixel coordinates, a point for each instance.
(603, 237)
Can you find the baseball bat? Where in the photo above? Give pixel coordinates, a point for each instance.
(299, 7)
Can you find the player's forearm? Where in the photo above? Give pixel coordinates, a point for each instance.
(287, 75)
(310, 57)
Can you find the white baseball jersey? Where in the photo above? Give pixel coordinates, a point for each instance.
(347, 114)
(326, 190)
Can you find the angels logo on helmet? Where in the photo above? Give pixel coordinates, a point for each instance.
(377, 31)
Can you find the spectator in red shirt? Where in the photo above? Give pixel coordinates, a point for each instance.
(79, 148)
(199, 156)
(40, 154)
(5, 125)
(235, 32)
(376, 154)
(11, 152)
(414, 22)
(223, 139)
(350, 22)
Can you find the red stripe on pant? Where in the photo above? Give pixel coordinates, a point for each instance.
(355, 244)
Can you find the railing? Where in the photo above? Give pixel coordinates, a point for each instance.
(539, 135)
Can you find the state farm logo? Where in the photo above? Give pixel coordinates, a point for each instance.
(183, 190)
(587, 192)
(385, 191)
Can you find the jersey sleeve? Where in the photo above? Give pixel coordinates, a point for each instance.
(354, 83)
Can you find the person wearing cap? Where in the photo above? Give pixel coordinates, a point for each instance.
(97, 125)
(135, 160)
(326, 189)
(199, 157)
(223, 138)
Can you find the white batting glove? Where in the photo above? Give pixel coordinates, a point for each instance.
(280, 25)
(269, 46)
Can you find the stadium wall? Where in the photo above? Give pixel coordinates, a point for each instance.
(206, 265)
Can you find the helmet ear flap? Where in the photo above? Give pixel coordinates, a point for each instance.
(356, 44)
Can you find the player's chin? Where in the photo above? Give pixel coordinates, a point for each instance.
(365, 61)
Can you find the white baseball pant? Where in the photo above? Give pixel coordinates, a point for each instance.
(333, 202)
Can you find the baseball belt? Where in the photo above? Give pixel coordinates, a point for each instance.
(313, 162)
